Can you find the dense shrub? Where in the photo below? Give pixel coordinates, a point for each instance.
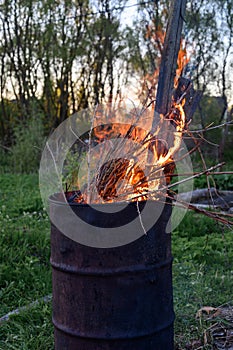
(221, 182)
(5, 164)
(29, 142)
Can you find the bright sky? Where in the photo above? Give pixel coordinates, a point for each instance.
(128, 14)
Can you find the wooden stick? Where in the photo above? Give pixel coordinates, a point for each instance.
(169, 59)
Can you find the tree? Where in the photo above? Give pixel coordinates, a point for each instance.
(145, 41)
(210, 27)
(61, 56)
(19, 64)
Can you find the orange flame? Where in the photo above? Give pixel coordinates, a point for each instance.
(132, 175)
(139, 176)
(182, 61)
(157, 37)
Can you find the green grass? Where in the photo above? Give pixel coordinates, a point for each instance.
(25, 272)
(202, 268)
(202, 273)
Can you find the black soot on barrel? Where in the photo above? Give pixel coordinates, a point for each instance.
(112, 298)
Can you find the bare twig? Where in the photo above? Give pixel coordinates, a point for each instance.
(89, 158)
(196, 175)
(208, 128)
(140, 218)
(211, 214)
(6, 148)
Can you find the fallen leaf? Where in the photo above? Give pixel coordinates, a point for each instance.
(194, 344)
(207, 310)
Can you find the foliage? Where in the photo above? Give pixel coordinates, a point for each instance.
(69, 55)
(72, 168)
(61, 54)
(208, 40)
(221, 182)
(29, 142)
(209, 111)
(224, 182)
(5, 164)
(24, 264)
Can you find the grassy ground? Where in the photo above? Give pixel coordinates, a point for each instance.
(202, 269)
(24, 264)
(203, 275)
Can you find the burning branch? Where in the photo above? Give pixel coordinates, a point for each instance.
(167, 97)
(169, 58)
(140, 165)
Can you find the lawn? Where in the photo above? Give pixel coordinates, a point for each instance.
(24, 264)
(202, 269)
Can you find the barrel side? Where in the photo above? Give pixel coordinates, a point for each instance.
(115, 298)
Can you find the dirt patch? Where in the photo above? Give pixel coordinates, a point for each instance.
(220, 332)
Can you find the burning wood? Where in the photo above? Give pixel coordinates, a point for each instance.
(140, 164)
(147, 164)
(113, 172)
(134, 164)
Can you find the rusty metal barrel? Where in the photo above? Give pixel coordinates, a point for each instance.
(112, 298)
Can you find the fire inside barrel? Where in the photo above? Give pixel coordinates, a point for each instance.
(118, 298)
(121, 297)
(133, 163)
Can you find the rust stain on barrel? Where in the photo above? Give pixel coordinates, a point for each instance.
(115, 298)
